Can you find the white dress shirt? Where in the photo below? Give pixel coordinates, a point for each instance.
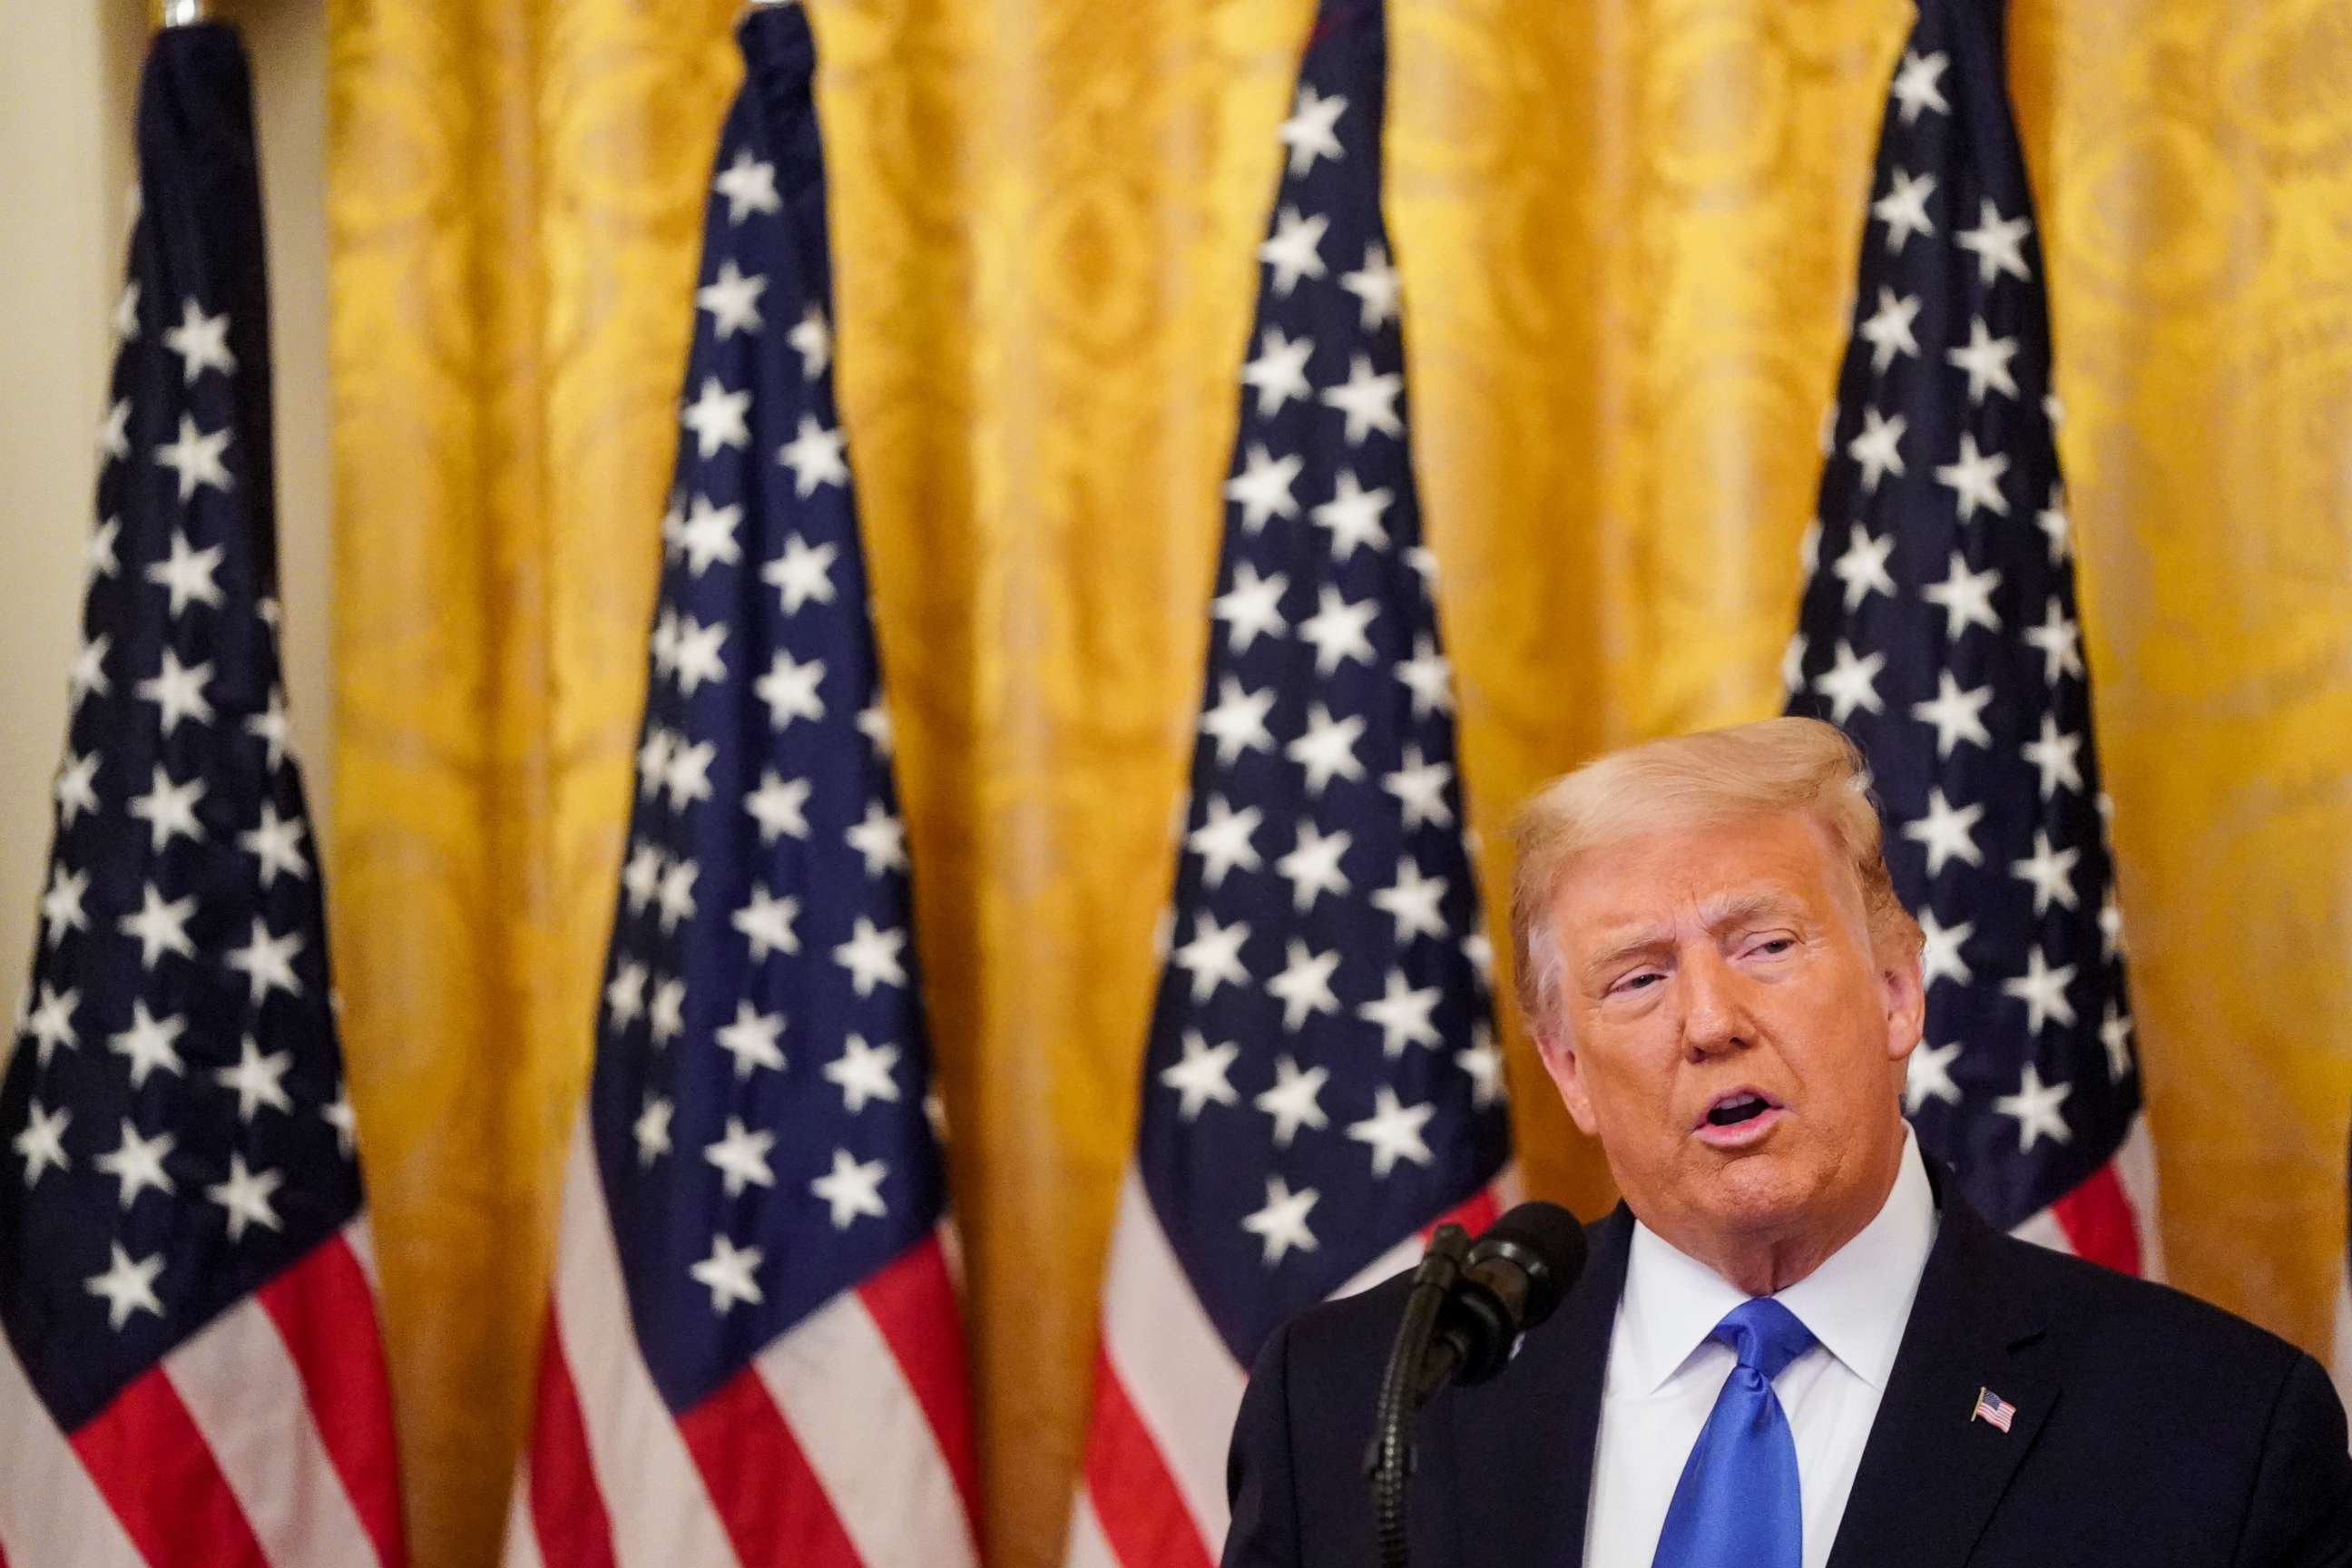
(1665, 1372)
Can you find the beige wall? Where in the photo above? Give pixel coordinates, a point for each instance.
(68, 86)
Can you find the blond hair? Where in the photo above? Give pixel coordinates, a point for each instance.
(1692, 781)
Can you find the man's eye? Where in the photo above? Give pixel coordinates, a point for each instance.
(1641, 981)
(1772, 947)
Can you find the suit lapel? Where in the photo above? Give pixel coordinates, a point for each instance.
(1931, 1472)
(1530, 1434)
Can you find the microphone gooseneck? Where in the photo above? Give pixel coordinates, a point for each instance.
(1469, 1304)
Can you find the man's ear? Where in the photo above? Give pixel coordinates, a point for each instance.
(1907, 1005)
(1554, 1049)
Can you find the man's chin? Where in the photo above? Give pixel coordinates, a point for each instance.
(1760, 1193)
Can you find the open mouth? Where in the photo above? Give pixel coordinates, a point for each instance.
(1732, 1112)
(1738, 1108)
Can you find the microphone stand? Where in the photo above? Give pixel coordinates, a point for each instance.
(1404, 1385)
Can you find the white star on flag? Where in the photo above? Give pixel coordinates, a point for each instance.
(1309, 132)
(1294, 251)
(1404, 1013)
(1304, 987)
(187, 573)
(871, 956)
(245, 1197)
(2035, 1107)
(200, 342)
(1212, 958)
(1353, 517)
(1252, 607)
(790, 690)
(801, 576)
(728, 1273)
(1203, 1076)
(750, 186)
(1279, 373)
(1293, 1101)
(1394, 1131)
(815, 455)
(127, 1286)
(719, 418)
(1281, 1223)
(733, 299)
(852, 1189)
(1262, 488)
(863, 1073)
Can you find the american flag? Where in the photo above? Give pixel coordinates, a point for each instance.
(1992, 1408)
(753, 1353)
(1939, 627)
(1321, 1083)
(192, 1371)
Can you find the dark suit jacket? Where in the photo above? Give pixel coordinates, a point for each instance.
(2152, 1431)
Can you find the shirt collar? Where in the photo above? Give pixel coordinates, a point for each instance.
(1856, 1304)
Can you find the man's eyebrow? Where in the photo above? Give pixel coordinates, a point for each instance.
(1752, 906)
(1644, 941)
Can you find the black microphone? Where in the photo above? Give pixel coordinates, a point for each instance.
(1514, 1275)
(1469, 1304)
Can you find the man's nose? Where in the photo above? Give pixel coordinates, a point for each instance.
(1714, 1016)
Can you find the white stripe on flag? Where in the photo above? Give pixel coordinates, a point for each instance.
(1395, 1260)
(523, 1540)
(1506, 1189)
(361, 1239)
(1090, 1548)
(661, 1512)
(2135, 1166)
(51, 1513)
(1184, 1385)
(867, 1439)
(2042, 1229)
(244, 1393)
(2342, 1360)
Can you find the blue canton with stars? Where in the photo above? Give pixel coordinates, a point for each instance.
(1322, 1076)
(761, 1066)
(174, 1102)
(1939, 627)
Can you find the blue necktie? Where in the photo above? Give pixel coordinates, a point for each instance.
(1738, 1501)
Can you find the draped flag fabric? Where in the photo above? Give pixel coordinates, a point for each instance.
(1321, 1083)
(1939, 627)
(2341, 1359)
(754, 1353)
(192, 1370)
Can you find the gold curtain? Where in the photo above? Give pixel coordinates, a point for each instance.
(1627, 228)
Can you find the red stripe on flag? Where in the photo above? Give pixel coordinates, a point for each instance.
(913, 1302)
(1472, 1213)
(326, 1314)
(567, 1511)
(774, 1507)
(1143, 1515)
(157, 1473)
(2098, 1221)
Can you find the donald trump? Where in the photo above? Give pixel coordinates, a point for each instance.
(1795, 1344)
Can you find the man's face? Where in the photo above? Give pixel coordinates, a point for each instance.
(1725, 1030)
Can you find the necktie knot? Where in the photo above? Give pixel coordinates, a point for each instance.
(1765, 1336)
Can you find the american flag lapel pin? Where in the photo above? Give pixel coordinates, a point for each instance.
(1994, 1409)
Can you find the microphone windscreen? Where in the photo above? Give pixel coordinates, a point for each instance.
(1550, 1241)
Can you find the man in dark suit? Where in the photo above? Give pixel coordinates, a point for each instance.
(1795, 1345)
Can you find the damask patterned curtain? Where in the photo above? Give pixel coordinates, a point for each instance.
(1625, 228)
